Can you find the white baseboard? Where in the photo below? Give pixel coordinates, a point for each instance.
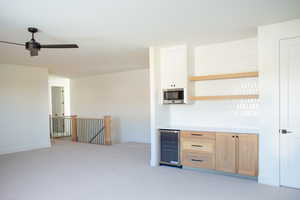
(268, 181)
(14, 149)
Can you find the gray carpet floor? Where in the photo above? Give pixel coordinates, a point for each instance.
(74, 171)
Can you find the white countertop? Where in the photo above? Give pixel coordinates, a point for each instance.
(214, 129)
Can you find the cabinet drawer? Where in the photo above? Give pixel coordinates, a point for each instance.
(203, 145)
(198, 160)
(198, 135)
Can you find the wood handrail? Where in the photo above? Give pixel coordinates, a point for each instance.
(76, 116)
(87, 118)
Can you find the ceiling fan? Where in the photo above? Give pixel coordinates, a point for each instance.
(33, 46)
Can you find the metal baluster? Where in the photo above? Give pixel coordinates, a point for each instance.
(55, 125)
(68, 127)
(100, 136)
(85, 134)
(79, 129)
(90, 134)
(58, 127)
(81, 125)
(82, 128)
(65, 127)
(103, 136)
(101, 126)
(93, 131)
(85, 130)
(59, 134)
(96, 128)
(88, 130)
(96, 131)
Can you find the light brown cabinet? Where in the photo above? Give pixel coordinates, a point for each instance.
(247, 158)
(237, 153)
(198, 149)
(227, 152)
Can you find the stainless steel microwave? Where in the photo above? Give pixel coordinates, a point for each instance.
(173, 96)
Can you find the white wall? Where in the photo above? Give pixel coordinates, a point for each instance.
(228, 57)
(60, 82)
(24, 118)
(123, 95)
(268, 45)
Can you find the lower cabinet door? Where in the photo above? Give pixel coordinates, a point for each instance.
(226, 152)
(247, 154)
(198, 160)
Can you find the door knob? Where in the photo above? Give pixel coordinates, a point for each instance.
(284, 131)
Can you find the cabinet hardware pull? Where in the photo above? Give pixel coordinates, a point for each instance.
(233, 136)
(193, 145)
(197, 134)
(196, 160)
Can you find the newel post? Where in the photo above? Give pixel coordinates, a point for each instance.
(107, 130)
(74, 128)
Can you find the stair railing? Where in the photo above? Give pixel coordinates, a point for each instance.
(85, 130)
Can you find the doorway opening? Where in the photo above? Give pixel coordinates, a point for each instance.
(58, 101)
(59, 108)
(61, 125)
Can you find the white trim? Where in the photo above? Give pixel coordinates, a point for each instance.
(154, 149)
(8, 150)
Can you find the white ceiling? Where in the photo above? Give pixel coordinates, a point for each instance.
(114, 35)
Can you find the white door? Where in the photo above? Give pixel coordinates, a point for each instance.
(290, 113)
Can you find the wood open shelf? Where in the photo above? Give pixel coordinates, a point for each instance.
(224, 76)
(224, 97)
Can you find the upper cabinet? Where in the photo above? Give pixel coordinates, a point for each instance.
(173, 65)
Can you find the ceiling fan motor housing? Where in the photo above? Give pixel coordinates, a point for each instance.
(32, 44)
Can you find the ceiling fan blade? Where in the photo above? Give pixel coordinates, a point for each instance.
(59, 46)
(5, 42)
